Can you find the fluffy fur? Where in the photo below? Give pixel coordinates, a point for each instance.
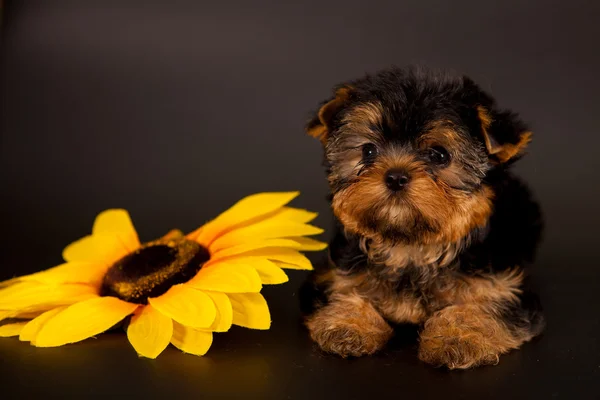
(446, 247)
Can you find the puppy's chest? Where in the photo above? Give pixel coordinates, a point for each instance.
(409, 294)
(413, 281)
(396, 258)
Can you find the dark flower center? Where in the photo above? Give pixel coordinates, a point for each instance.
(152, 269)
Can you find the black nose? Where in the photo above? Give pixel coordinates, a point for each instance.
(396, 179)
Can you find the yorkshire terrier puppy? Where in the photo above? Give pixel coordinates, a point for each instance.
(432, 228)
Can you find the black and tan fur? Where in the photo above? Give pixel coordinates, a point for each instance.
(446, 251)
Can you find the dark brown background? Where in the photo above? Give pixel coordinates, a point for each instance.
(175, 110)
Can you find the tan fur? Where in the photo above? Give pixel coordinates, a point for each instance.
(349, 326)
(325, 114)
(466, 335)
(504, 152)
(440, 133)
(456, 212)
(461, 327)
(383, 297)
(356, 131)
(363, 117)
(487, 290)
(473, 211)
(486, 121)
(446, 289)
(511, 150)
(349, 211)
(403, 309)
(456, 216)
(398, 256)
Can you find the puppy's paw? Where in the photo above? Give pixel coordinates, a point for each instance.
(349, 340)
(348, 331)
(463, 337)
(457, 352)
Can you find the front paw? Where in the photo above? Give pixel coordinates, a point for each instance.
(348, 334)
(457, 352)
(460, 338)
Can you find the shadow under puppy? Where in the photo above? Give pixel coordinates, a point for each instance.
(432, 228)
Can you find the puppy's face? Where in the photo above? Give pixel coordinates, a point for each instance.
(408, 153)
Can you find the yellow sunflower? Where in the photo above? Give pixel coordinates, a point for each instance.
(178, 289)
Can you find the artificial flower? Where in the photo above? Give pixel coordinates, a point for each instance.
(178, 289)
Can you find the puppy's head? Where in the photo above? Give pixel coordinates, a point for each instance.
(408, 153)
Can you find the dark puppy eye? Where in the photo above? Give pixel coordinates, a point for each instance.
(438, 155)
(369, 152)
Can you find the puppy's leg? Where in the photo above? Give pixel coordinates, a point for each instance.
(492, 322)
(349, 326)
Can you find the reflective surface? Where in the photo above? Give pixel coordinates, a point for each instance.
(176, 112)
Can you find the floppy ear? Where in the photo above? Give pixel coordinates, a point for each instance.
(320, 125)
(506, 137)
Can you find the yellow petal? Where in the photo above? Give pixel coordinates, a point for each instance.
(244, 210)
(263, 230)
(285, 265)
(8, 330)
(187, 306)
(190, 340)
(19, 314)
(8, 282)
(100, 248)
(282, 214)
(250, 310)
(30, 331)
(149, 331)
(295, 214)
(73, 272)
(224, 312)
(34, 296)
(308, 244)
(83, 320)
(254, 245)
(194, 234)
(270, 274)
(117, 223)
(292, 257)
(27, 314)
(221, 277)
